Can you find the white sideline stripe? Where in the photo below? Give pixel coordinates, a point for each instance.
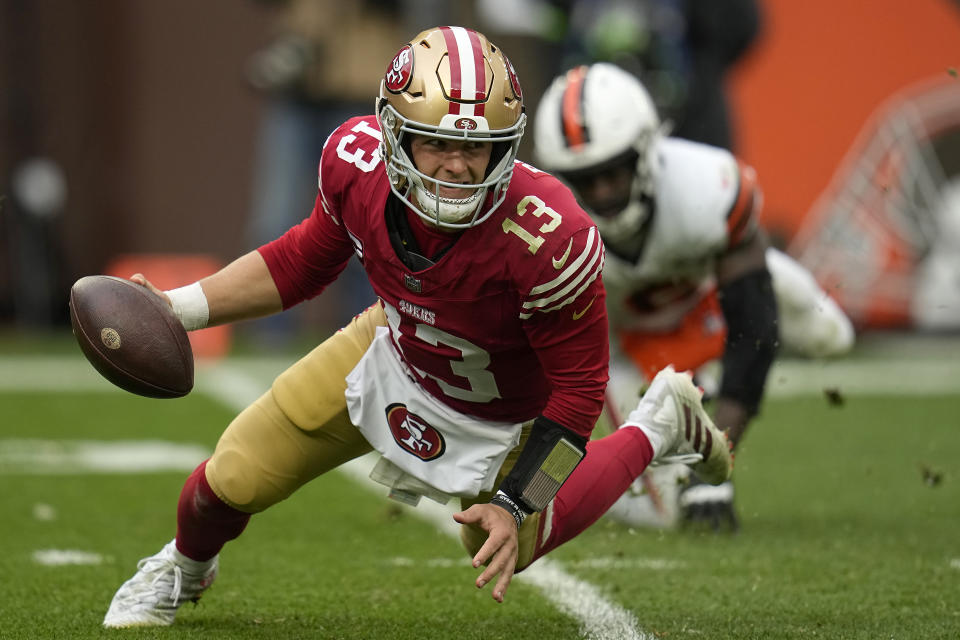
(435, 563)
(62, 557)
(599, 562)
(47, 373)
(788, 378)
(599, 618)
(63, 457)
(647, 564)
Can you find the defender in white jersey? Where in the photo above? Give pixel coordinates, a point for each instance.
(688, 268)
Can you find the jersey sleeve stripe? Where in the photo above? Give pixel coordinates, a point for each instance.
(593, 275)
(592, 240)
(742, 212)
(577, 283)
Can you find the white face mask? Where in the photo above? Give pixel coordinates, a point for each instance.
(623, 231)
(407, 182)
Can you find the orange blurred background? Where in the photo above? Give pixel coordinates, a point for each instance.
(818, 71)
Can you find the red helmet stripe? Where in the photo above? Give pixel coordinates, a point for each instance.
(467, 72)
(453, 60)
(480, 72)
(571, 115)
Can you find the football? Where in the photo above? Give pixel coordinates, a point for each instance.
(131, 336)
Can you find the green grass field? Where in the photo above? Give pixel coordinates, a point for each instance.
(850, 513)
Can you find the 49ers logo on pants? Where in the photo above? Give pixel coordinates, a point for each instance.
(413, 434)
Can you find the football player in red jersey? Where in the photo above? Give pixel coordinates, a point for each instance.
(480, 371)
(689, 275)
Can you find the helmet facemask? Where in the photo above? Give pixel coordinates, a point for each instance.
(421, 192)
(622, 222)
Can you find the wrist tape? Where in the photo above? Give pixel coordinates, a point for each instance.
(190, 306)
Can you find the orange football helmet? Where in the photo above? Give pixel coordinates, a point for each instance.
(452, 83)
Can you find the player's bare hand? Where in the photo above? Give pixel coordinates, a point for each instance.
(499, 552)
(140, 279)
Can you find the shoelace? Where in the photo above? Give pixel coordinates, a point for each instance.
(680, 458)
(162, 575)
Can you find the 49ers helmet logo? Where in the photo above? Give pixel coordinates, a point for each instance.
(400, 70)
(465, 123)
(413, 434)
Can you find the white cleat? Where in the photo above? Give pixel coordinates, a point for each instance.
(653, 501)
(671, 414)
(162, 583)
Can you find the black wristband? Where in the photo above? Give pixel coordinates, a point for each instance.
(503, 500)
(549, 456)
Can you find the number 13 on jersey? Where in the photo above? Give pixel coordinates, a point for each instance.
(540, 209)
(469, 368)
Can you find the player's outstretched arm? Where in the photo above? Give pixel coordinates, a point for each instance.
(499, 552)
(242, 290)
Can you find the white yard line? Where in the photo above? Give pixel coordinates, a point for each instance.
(62, 557)
(28, 456)
(869, 377)
(51, 373)
(893, 373)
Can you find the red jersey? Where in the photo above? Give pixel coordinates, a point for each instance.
(508, 324)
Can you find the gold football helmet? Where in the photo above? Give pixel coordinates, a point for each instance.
(453, 83)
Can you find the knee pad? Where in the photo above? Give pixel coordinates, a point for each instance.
(247, 468)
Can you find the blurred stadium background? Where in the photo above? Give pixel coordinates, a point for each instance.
(129, 129)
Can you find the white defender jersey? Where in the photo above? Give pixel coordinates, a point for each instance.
(705, 201)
